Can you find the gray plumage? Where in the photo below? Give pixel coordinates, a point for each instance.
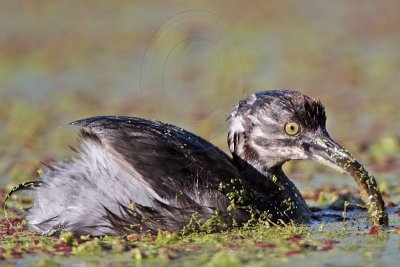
(136, 175)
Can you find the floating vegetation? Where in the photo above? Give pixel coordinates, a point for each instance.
(75, 67)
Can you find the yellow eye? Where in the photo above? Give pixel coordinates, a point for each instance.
(292, 128)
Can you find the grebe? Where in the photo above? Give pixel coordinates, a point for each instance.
(134, 175)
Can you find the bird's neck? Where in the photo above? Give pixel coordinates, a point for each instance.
(278, 191)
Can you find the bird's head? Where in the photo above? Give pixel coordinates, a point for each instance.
(271, 127)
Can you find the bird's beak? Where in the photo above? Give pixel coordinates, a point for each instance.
(326, 151)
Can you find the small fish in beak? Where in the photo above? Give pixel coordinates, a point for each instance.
(326, 151)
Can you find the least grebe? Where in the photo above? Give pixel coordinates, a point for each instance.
(134, 175)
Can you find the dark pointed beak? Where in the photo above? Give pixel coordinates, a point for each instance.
(326, 151)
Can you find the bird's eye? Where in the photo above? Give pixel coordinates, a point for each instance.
(292, 128)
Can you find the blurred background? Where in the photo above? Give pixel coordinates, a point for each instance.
(189, 64)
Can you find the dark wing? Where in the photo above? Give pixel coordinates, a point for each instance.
(180, 167)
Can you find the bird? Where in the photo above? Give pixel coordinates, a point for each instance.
(133, 175)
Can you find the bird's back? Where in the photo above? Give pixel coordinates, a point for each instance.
(134, 175)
